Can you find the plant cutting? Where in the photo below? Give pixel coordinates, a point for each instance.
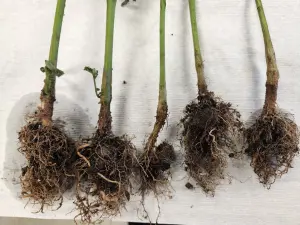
(209, 126)
(274, 137)
(48, 150)
(105, 161)
(156, 160)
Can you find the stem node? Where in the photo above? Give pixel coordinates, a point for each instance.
(48, 91)
(104, 121)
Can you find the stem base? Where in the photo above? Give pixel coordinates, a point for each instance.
(46, 108)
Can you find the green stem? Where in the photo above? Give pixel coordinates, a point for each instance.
(272, 70)
(162, 76)
(48, 91)
(202, 87)
(162, 107)
(106, 88)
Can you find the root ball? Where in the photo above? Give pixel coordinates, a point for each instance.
(209, 126)
(154, 166)
(104, 169)
(50, 154)
(272, 144)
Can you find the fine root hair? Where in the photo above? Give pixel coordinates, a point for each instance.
(104, 169)
(209, 127)
(50, 154)
(272, 144)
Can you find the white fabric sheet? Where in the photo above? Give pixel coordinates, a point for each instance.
(233, 52)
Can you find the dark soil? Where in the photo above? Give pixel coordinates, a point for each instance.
(125, 2)
(272, 144)
(154, 166)
(189, 186)
(209, 128)
(50, 154)
(104, 170)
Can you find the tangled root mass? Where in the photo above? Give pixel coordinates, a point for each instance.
(272, 144)
(50, 155)
(104, 169)
(209, 126)
(154, 166)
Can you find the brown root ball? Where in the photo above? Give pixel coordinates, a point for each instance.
(50, 154)
(104, 170)
(154, 166)
(209, 125)
(272, 144)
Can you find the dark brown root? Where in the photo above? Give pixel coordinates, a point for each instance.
(272, 144)
(154, 166)
(104, 170)
(50, 154)
(209, 128)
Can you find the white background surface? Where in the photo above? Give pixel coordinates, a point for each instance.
(31, 221)
(233, 51)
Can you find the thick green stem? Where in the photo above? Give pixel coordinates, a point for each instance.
(162, 107)
(104, 122)
(202, 87)
(272, 70)
(48, 91)
(162, 75)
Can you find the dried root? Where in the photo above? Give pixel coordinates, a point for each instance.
(104, 168)
(272, 144)
(154, 166)
(50, 154)
(209, 126)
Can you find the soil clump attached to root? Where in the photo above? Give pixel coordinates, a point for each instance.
(104, 170)
(272, 144)
(50, 154)
(209, 127)
(154, 166)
